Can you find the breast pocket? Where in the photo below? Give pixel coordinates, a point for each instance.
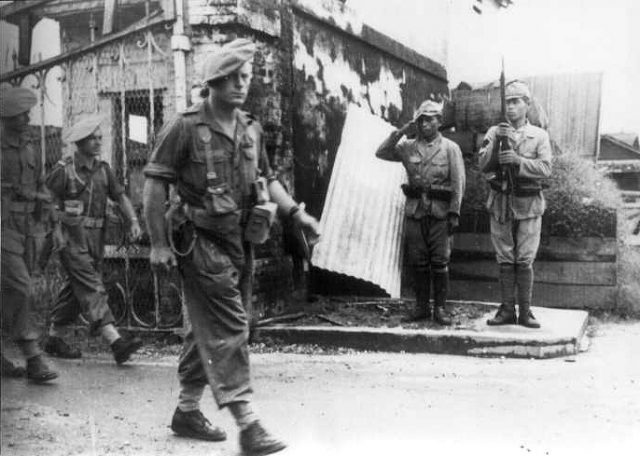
(439, 170)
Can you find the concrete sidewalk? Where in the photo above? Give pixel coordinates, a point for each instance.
(561, 334)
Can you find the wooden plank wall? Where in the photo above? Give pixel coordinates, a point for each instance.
(569, 273)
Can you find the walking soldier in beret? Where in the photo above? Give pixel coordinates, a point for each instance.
(81, 184)
(214, 154)
(25, 206)
(434, 193)
(516, 209)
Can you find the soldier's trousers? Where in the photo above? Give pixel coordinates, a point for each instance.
(427, 243)
(516, 241)
(215, 351)
(17, 290)
(83, 290)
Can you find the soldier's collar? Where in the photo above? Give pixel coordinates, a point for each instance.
(206, 117)
(83, 162)
(435, 141)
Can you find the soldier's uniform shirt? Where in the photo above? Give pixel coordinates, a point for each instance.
(23, 230)
(217, 274)
(533, 145)
(437, 164)
(92, 182)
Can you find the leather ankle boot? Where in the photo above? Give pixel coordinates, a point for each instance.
(506, 314)
(421, 285)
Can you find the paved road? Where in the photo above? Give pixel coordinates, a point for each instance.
(350, 405)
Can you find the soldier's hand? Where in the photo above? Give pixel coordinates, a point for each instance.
(162, 258)
(58, 239)
(135, 231)
(408, 128)
(453, 221)
(504, 129)
(508, 157)
(309, 223)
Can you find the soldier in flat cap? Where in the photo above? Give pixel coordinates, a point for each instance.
(516, 209)
(24, 201)
(214, 154)
(436, 175)
(81, 184)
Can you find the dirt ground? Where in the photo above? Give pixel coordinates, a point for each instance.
(348, 403)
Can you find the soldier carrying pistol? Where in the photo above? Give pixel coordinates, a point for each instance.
(436, 175)
(81, 184)
(25, 209)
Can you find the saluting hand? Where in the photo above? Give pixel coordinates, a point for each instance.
(408, 128)
(162, 257)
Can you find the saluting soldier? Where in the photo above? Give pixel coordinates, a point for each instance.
(25, 202)
(516, 209)
(81, 184)
(435, 169)
(213, 153)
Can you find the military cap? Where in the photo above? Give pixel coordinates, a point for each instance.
(83, 128)
(428, 108)
(16, 100)
(516, 89)
(228, 59)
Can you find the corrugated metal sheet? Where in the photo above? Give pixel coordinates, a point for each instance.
(567, 104)
(363, 216)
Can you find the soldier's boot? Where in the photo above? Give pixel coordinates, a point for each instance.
(38, 372)
(255, 441)
(524, 278)
(10, 370)
(194, 425)
(123, 348)
(422, 282)
(506, 314)
(440, 292)
(55, 346)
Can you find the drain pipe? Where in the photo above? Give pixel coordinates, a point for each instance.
(180, 45)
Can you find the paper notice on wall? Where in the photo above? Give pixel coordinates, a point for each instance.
(138, 127)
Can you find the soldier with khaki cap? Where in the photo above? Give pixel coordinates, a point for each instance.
(214, 154)
(436, 174)
(516, 214)
(25, 202)
(81, 184)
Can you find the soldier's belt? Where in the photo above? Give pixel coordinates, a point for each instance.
(84, 221)
(518, 191)
(93, 222)
(24, 207)
(439, 194)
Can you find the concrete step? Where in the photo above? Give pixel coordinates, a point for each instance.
(560, 335)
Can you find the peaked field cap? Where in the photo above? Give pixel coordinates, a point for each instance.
(516, 89)
(228, 59)
(83, 128)
(428, 108)
(16, 100)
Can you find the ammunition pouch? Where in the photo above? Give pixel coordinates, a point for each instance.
(218, 199)
(259, 222)
(412, 191)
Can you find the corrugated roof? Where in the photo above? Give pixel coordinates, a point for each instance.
(363, 217)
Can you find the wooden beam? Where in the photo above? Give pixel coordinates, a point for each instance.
(25, 28)
(109, 16)
(11, 11)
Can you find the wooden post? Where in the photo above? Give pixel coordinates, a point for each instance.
(180, 45)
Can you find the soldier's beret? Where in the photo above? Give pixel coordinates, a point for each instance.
(516, 89)
(428, 108)
(83, 128)
(16, 100)
(228, 59)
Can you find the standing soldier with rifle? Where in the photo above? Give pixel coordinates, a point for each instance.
(516, 156)
(436, 184)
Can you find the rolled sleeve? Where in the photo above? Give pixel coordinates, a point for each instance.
(166, 156)
(55, 181)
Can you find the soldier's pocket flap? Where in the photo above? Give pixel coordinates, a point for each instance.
(13, 242)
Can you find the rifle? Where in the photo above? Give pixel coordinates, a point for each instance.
(505, 172)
